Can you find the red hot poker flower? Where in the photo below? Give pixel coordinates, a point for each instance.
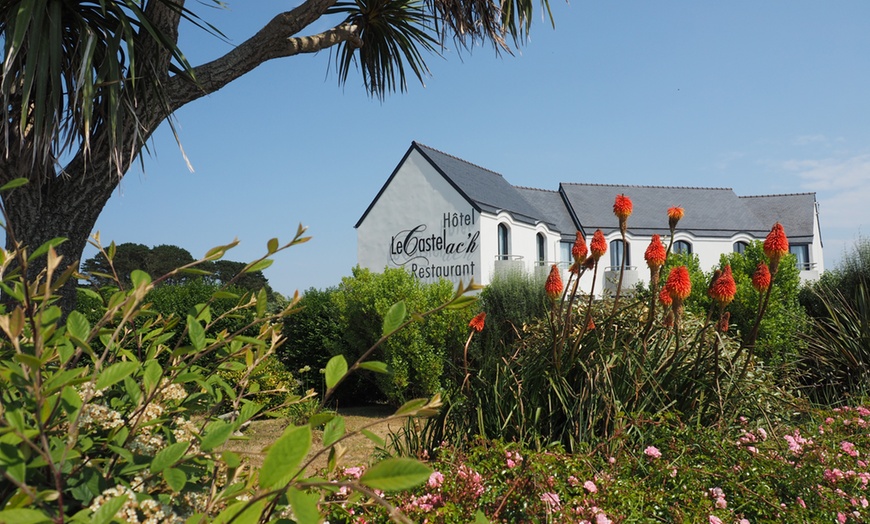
(724, 288)
(665, 297)
(622, 209)
(478, 321)
(776, 244)
(598, 245)
(553, 286)
(579, 251)
(655, 253)
(679, 285)
(761, 278)
(674, 215)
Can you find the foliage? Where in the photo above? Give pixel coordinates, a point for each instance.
(588, 369)
(313, 333)
(117, 263)
(811, 470)
(104, 433)
(835, 367)
(778, 335)
(269, 384)
(349, 320)
(843, 280)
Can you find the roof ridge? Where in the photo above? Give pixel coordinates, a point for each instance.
(645, 186)
(779, 194)
(536, 189)
(419, 144)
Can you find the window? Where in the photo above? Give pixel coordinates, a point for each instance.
(682, 247)
(542, 249)
(740, 246)
(802, 252)
(616, 250)
(565, 252)
(504, 239)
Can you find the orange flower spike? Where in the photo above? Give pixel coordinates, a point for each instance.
(724, 288)
(679, 285)
(655, 253)
(665, 297)
(598, 245)
(622, 207)
(477, 322)
(776, 244)
(579, 251)
(674, 215)
(761, 278)
(553, 286)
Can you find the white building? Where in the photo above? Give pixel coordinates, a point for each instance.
(441, 217)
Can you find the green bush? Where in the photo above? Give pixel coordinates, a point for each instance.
(779, 343)
(416, 356)
(313, 334)
(105, 422)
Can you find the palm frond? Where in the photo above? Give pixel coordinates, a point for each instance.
(71, 69)
(393, 34)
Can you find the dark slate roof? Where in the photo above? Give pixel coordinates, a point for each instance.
(485, 189)
(796, 213)
(712, 212)
(552, 206)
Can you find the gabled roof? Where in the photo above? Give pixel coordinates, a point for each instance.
(552, 206)
(485, 190)
(796, 213)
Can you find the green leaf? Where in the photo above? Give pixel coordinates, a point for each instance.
(216, 433)
(394, 317)
(333, 431)
(259, 265)
(396, 474)
(336, 368)
(115, 373)
(412, 406)
(285, 455)
(271, 245)
(462, 302)
(480, 518)
(373, 437)
(175, 478)
(196, 333)
(169, 456)
(231, 459)
(140, 278)
(151, 375)
(304, 506)
(107, 511)
(23, 516)
(43, 249)
(374, 365)
(241, 513)
(77, 325)
(15, 182)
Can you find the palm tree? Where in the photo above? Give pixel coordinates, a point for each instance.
(85, 83)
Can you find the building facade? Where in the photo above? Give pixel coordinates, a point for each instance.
(441, 217)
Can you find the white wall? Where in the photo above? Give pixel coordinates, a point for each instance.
(410, 216)
(523, 248)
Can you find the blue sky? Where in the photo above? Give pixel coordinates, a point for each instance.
(762, 97)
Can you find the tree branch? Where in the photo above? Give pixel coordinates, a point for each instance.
(275, 40)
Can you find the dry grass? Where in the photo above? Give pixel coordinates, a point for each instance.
(360, 450)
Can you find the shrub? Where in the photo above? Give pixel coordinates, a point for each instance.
(103, 432)
(779, 343)
(349, 319)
